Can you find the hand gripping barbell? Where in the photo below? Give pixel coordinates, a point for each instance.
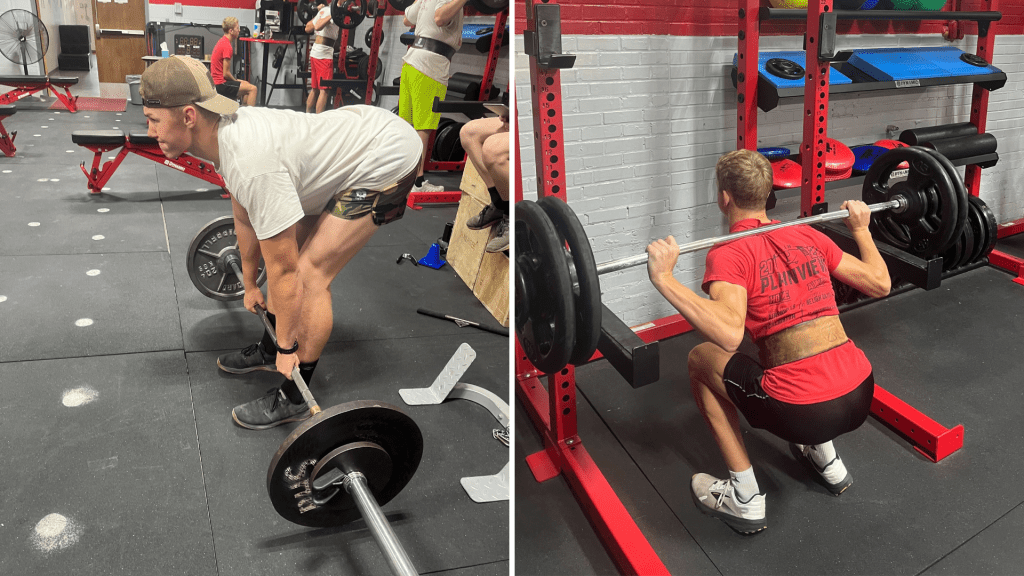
(341, 464)
(558, 296)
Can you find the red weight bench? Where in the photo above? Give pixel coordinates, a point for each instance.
(103, 141)
(25, 85)
(7, 140)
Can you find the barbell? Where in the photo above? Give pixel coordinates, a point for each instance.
(558, 295)
(341, 464)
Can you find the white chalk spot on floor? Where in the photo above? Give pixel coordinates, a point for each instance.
(49, 118)
(44, 126)
(70, 151)
(54, 179)
(103, 210)
(105, 188)
(38, 135)
(83, 322)
(202, 189)
(118, 114)
(102, 464)
(116, 120)
(55, 532)
(33, 224)
(3, 298)
(111, 157)
(93, 273)
(7, 171)
(87, 116)
(78, 396)
(98, 237)
(43, 180)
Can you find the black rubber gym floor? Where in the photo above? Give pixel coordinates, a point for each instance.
(120, 456)
(953, 353)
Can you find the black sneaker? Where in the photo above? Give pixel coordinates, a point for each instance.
(271, 410)
(247, 360)
(487, 217)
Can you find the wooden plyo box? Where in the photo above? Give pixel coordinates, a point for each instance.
(486, 274)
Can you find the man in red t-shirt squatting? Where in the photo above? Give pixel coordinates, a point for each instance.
(220, 67)
(810, 383)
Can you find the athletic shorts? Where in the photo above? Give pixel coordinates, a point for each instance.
(798, 423)
(229, 89)
(416, 98)
(321, 69)
(385, 205)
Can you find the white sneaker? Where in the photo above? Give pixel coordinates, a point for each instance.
(428, 187)
(717, 498)
(836, 477)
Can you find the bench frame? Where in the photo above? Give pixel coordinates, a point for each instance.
(7, 140)
(22, 90)
(98, 176)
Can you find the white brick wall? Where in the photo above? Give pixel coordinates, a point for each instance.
(646, 118)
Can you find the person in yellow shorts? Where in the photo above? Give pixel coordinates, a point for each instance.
(426, 68)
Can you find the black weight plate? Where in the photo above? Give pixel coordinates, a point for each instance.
(205, 264)
(959, 188)
(976, 222)
(586, 286)
(974, 60)
(991, 225)
(446, 142)
(967, 239)
(489, 6)
(305, 10)
(441, 141)
(458, 153)
(350, 14)
(952, 255)
(401, 5)
(784, 68)
(546, 327)
(289, 478)
(926, 228)
(368, 39)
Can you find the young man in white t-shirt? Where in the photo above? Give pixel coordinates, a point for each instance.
(321, 56)
(307, 194)
(426, 68)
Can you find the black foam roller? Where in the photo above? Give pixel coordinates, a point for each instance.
(918, 136)
(967, 146)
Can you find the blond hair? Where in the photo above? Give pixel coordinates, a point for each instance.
(229, 24)
(747, 176)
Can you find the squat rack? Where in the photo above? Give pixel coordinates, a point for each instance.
(552, 405)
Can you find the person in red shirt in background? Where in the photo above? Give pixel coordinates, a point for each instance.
(810, 383)
(220, 67)
(321, 56)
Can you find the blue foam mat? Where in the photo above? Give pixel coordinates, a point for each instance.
(798, 56)
(915, 63)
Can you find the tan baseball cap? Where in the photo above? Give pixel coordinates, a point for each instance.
(180, 80)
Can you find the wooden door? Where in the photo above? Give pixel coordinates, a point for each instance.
(120, 38)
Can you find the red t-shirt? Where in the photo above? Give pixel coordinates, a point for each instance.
(221, 51)
(786, 274)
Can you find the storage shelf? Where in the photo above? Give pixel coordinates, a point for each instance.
(801, 15)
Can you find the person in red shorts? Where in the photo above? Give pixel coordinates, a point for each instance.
(321, 57)
(220, 66)
(810, 383)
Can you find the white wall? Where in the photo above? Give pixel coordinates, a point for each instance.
(646, 118)
(8, 68)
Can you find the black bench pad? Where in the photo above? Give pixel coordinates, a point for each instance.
(97, 137)
(8, 110)
(37, 80)
(343, 83)
(140, 138)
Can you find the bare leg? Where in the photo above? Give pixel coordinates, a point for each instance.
(472, 136)
(311, 100)
(331, 245)
(495, 159)
(706, 364)
(321, 101)
(247, 93)
(425, 137)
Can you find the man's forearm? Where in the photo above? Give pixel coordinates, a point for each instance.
(714, 320)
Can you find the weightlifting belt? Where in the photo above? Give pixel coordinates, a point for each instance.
(801, 341)
(435, 46)
(325, 40)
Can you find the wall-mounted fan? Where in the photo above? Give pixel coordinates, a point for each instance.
(23, 37)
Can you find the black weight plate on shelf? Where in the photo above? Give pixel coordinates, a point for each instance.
(991, 225)
(586, 286)
(967, 239)
(952, 255)
(974, 60)
(206, 265)
(545, 320)
(929, 223)
(976, 222)
(784, 68)
(368, 39)
(289, 477)
(457, 153)
(958, 187)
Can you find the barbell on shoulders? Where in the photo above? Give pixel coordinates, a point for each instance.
(558, 295)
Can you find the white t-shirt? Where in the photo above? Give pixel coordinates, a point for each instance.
(281, 165)
(421, 13)
(323, 51)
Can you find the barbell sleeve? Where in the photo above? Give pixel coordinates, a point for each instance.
(898, 203)
(390, 547)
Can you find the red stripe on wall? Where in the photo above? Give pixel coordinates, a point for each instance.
(699, 18)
